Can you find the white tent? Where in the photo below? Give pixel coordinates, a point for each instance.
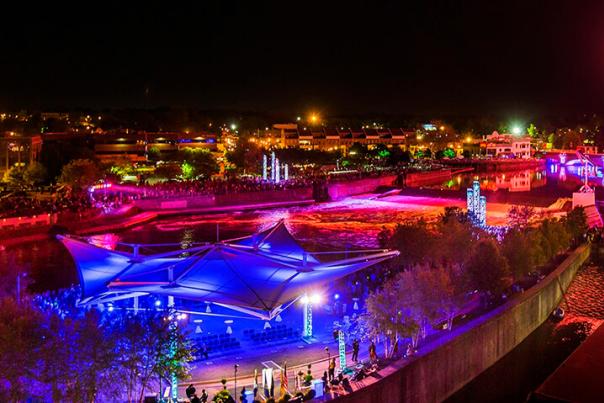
(259, 274)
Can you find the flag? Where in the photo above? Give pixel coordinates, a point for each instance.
(284, 383)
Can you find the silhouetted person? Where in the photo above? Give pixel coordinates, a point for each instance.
(332, 369)
(355, 350)
(372, 354)
(190, 391)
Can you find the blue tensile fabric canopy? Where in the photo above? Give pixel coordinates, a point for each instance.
(258, 274)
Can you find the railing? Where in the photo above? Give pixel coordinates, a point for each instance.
(26, 222)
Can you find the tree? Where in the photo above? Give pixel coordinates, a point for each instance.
(397, 156)
(380, 152)
(487, 270)
(441, 292)
(168, 171)
(416, 243)
(576, 223)
(247, 156)
(14, 178)
(21, 336)
(532, 131)
(78, 358)
(454, 213)
(80, 174)
(153, 154)
(554, 238)
(520, 252)
(455, 242)
(449, 153)
(358, 151)
(94, 362)
(520, 216)
(35, 174)
(197, 162)
(149, 346)
(387, 314)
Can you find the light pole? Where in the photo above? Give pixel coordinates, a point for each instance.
(307, 317)
(173, 324)
(307, 302)
(235, 393)
(19, 274)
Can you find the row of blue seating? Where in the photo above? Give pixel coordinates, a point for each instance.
(211, 338)
(269, 335)
(215, 344)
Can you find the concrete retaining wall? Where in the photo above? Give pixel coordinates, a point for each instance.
(341, 190)
(13, 223)
(446, 365)
(427, 178)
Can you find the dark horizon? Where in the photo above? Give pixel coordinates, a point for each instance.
(450, 58)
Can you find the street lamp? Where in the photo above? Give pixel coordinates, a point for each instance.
(235, 393)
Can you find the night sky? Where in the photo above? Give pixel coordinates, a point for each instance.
(442, 57)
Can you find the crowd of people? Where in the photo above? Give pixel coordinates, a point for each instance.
(234, 185)
(27, 206)
(218, 187)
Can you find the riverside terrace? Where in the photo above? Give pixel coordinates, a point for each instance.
(259, 276)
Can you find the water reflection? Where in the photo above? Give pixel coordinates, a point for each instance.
(515, 181)
(567, 177)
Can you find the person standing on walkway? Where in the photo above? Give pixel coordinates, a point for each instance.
(243, 398)
(190, 391)
(372, 354)
(332, 369)
(355, 350)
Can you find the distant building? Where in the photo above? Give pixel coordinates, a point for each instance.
(54, 115)
(500, 146)
(508, 145)
(137, 146)
(134, 146)
(332, 138)
(18, 150)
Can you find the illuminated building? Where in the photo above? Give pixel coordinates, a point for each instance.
(18, 150)
(332, 138)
